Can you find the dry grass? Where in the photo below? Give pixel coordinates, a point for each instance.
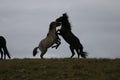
(60, 69)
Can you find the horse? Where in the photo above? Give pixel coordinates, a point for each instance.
(69, 37)
(49, 40)
(3, 48)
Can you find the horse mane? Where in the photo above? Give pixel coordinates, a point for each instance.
(66, 22)
(51, 25)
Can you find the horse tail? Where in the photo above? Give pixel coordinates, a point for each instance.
(6, 51)
(35, 51)
(82, 53)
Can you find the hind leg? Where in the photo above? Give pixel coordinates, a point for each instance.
(43, 53)
(4, 56)
(72, 50)
(1, 53)
(78, 52)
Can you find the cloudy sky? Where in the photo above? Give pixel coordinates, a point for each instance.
(95, 22)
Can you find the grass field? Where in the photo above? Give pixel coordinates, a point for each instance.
(60, 69)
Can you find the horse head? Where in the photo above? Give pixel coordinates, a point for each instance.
(65, 22)
(54, 24)
(62, 18)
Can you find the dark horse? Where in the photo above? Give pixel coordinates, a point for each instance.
(3, 48)
(69, 37)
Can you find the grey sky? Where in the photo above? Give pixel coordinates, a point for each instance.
(95, 22)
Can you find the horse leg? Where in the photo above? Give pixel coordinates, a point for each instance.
(58, 32)
(57, 44)
(6, 52)
(78, 52)
(1, 53)
(43, 52)
(72, 50)
(4, 55)
(82, 53)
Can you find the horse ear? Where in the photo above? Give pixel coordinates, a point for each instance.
(65, 15)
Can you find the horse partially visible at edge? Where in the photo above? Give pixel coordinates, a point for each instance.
(50, 39)
(69, 37)
(3, 48)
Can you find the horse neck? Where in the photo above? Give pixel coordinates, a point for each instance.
(66, 26)
(52, 31)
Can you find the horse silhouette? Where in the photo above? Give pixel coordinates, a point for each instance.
(69, 37)
(3, 48)
(50, 39)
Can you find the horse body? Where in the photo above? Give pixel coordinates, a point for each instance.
(69, 37)
(3, 48)
(50, 39)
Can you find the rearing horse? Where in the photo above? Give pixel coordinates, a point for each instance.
(50, 39)
(3, 48)
(69, 37)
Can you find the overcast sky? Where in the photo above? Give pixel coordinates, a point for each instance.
(24, 23)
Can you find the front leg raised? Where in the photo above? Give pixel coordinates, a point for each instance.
(58, 42)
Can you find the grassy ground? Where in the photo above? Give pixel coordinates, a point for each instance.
(60, 69)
